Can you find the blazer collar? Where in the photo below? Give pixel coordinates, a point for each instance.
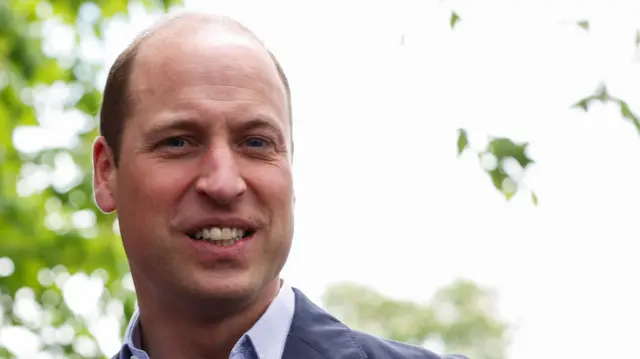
(316, 334)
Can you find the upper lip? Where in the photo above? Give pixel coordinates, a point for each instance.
(221, 222)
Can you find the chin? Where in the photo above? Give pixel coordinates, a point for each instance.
(230, 286)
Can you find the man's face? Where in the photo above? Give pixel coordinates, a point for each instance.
(205, 153)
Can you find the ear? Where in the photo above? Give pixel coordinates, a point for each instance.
(104, 176)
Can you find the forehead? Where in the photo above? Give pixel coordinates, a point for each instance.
(204, 61)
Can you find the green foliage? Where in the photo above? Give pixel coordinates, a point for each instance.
(584, 24)
(463, 141)
(500, 149)
(603, 96)
(461, 316)
(454, 19)
(52, 232)
(534, 198)
(497, 155)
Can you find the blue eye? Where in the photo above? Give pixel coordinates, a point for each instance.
(176, 142)
(256, 142)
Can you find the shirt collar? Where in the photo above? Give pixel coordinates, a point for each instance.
(268, 335)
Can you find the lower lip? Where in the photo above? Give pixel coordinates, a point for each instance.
(213, 252)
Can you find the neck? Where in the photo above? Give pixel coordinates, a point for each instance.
(180, 329)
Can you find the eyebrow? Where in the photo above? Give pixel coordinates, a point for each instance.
(179, 124)
(260, 122)
(193, 125)
(264, 123)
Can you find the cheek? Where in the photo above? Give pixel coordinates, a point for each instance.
(150, 190)
(273, 185)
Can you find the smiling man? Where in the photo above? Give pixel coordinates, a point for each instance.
(195, 156)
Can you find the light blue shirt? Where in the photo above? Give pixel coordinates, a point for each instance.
(266, 338)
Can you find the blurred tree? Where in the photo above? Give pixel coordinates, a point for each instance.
(51, 234)
(461, 318)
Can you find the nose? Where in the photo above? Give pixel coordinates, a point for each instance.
(221, 179)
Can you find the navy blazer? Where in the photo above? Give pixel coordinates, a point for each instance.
(316, 334)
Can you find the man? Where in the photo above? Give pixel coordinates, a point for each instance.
(195, 156)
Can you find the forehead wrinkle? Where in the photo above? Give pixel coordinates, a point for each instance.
(184, 100)
(243, 112)
(216, 76)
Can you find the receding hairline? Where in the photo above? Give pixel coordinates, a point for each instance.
(117, 96)
(178, 22)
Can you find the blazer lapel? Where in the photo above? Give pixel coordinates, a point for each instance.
(296, 348)
(315, 334)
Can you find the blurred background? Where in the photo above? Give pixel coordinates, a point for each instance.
(467, 172)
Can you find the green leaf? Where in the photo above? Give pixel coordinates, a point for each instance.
(509, 187)
(65, 10)
(498, 176)
(534, 198)
(584, 24)
(113, 7)
(97, 29)
(454, 19)
(90, 102)
(166, 4)
(583, 104)
(503, 147)
(463, 141)
(601, 94)
(48, 72)
(626, 112)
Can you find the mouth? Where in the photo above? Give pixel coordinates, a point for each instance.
(222, 236)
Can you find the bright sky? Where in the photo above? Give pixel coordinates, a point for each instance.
(382, 199)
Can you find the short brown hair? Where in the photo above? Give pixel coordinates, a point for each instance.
(116, 106)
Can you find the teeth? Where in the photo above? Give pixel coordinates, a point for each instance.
(227, 242)
(216, 233)
(222, 236)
